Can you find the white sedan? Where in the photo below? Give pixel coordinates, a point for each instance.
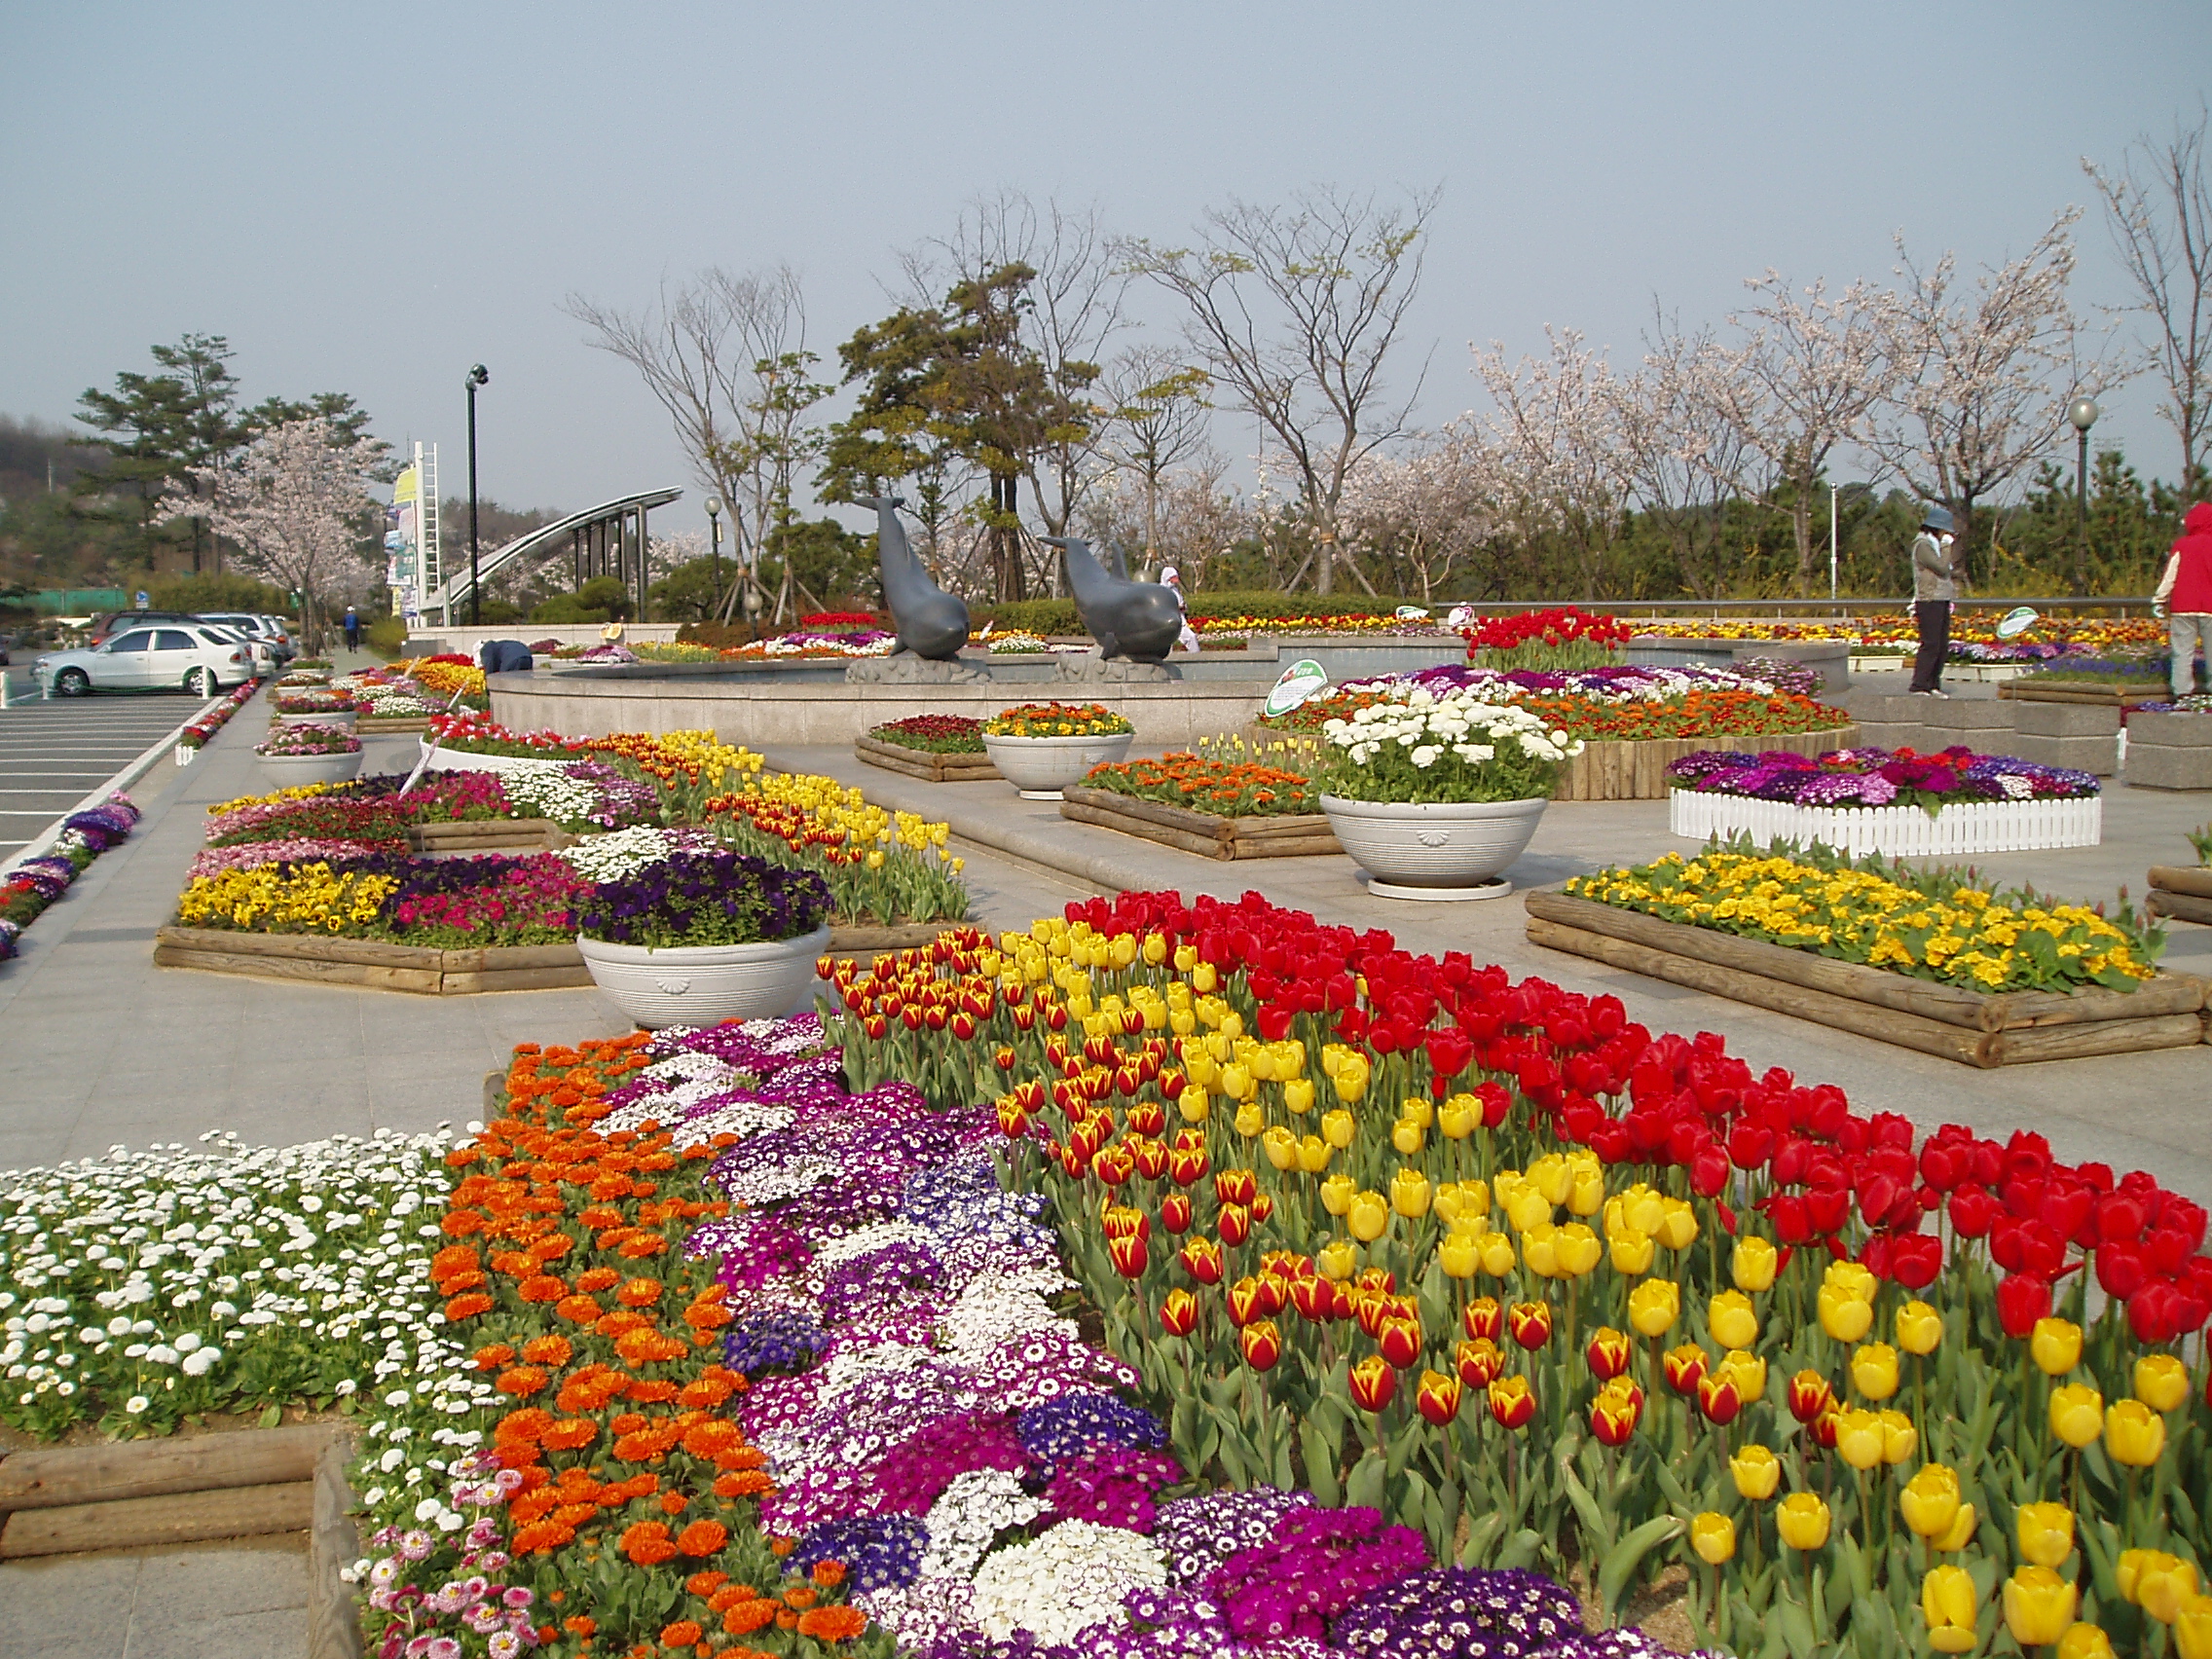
(191, 656)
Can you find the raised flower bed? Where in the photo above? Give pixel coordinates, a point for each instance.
(939, 749)
(1873, 800)
(1040, 747)
(1924, 961)
(308, 752)
(210, 721)
(1219, 807)
(28, 885)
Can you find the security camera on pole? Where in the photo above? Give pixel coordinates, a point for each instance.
(477, 375)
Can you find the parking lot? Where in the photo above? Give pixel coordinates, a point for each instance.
(53, 754)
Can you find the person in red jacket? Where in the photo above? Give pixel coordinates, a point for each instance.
(2185, 597)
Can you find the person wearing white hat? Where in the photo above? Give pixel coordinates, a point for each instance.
(1188, 640)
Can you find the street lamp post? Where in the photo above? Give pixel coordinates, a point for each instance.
(2082, 412)
(715, 533)
(477, 375)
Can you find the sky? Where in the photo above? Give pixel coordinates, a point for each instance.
(370, 199)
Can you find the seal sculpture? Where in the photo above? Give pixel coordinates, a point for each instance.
(1134, 621)
(930, 622)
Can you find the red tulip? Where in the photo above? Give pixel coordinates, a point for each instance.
(1372, 1383)
(1244, 1302)
(1262, 1207)
(1608, 1353)
(1147, 1118)
(1234, 1185)
(2154, 1312)
(1400, 1340)
(1496, 1101)
(1512, 1402)
(1915, 1259)
(1439, 1397)
(1178, 1313)
(2021, 1299)
(1186, 1165)
(1484, 1318)
(1822, 1429)
(1261, 1343)
(1478, 1360)
(1972, 1211)
(1684, 1366)
(1202, 1260)
(1235, 1224)
(1314, 1298)
(1717, 1397)
(1810, 1395)
(1131, 1256)
(1531, 1323)
(1175, 1212)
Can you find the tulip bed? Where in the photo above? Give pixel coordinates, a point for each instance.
(1563, 638)
(1550, 1289)
(1931, 924)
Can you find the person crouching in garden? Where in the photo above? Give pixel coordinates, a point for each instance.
(2185, 598)
(1935, 584)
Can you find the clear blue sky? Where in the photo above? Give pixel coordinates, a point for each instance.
(370, 199)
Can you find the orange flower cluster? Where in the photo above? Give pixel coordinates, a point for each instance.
(1228, 789)
(611, 1420)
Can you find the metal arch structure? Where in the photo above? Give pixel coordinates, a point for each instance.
(606, 540)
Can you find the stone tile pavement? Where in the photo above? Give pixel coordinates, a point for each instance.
(240, 1599)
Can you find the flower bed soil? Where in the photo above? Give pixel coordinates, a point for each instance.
(429, 971)
(1972, 1027)
(1607, 770)
(920, 763)
(2181, 891)
(1281, 836)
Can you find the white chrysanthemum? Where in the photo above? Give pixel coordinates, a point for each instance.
(1066, 1581)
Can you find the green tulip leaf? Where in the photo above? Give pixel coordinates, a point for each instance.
(1621, 1562)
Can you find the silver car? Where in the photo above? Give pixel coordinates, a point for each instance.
(198, 658)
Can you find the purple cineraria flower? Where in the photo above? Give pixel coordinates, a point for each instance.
(879, 1551)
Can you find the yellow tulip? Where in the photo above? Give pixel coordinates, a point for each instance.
(1843, 1315)
(1336, 1259)
(1899, 1439)
(1459, 1255)
(2083, 1641)
(1930, 1501)
(2192, 1628)
(1632, 1251)
(1338, 1128)
(1281, 1146)
(1457, 1117)
(1749, 1372)
(2134, 1435)
(1539, 1248)
(1653, 1306)
(1193, 1103)
(1677, 1227)
(1754, 1264)
(1714, 1537)
(1186, 958)
(1527, 1209)
(1642, 1208)
(1410, 1194)
(1368, 1216)
(1549, 1176)
(1858, 1438)
(1337, 1194)
(1417, 1109)
(2046, 1533)
(1920, 1328)
(1313, 1155)
(1351, 1081)
(1731, 1320)
(1249, 1118)
(2156, 1582)
(2077, 1414)
(1237, 1082)
(1802, 1519)
(1874, 1370)
(1758, 1471)
(1577, 1249)
(1961, 1533)
(1853, 1277)
(1498, 1257)
(1463, 1200)
(1947, 1602)
(2055, 1345)
(2162, 1381)
(2039, 1606)
(1297, 1094)
(1406, 1137)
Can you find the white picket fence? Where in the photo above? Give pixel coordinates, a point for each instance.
(1977, 826)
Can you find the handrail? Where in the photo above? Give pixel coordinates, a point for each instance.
(457, 583)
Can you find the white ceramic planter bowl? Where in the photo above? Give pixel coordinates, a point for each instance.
(1435, 848)
(289, 771)
(1040, 767)
(699, 984)
(335, 718)
(456, 761)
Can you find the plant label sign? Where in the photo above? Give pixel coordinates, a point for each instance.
(2013, 623)
(1300, 682)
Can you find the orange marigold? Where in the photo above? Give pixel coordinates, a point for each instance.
(570, 1435)
(468, 1306)
(705, 1583)
(577, 1310)
(702, 1538)
(548, 1350)
(522, 1379)
(541, 1287)
(829, 1573)
(647, 1543)
(743, 1618)
(833, 1624)
(594, 1279)
(543, 1537)
(743, 1482)
(683, 1633)
(638, 1293)
(580, 1624)
(460, 1223)
(491, 1356)
(672, 1503)
(802, 1596)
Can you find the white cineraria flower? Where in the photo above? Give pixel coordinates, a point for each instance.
(1066, 1581)
(967, 1517)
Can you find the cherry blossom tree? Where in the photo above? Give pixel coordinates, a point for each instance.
(1429, 509)
(1294, 311)
(1688, 455)
(1979, 376)
(295, 504)
(2160, 212)
(1803, 381)
(1562, 467)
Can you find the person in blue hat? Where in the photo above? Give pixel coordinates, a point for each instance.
(1936, 573)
